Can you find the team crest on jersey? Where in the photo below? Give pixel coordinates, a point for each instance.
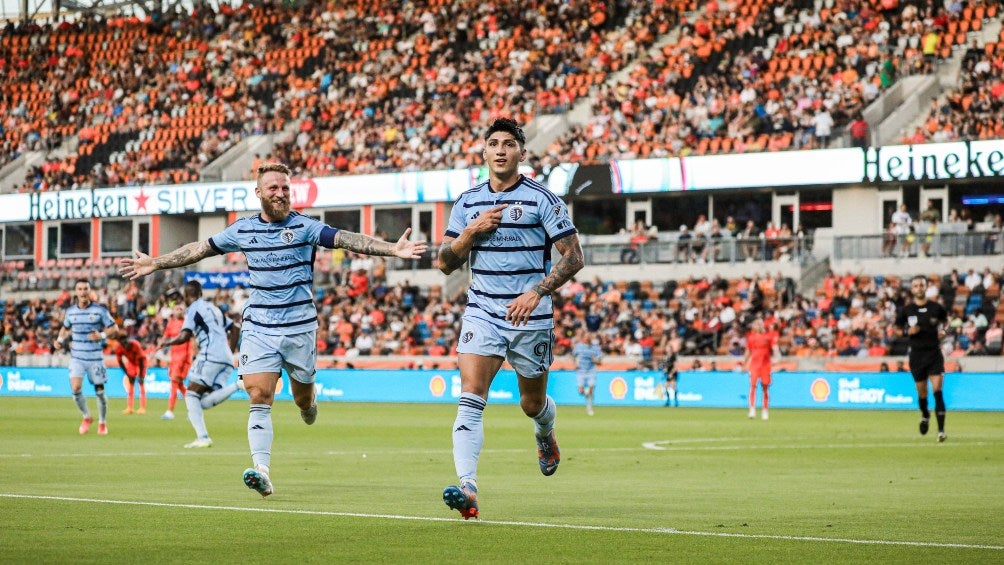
(467, 337)
(244, 359)
(92, 318)
(286, 235)
(516, 212)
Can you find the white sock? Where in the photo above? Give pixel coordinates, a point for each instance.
(468, 436)
(195, 416)
(217, 397)
(260, 434)
(544, 422)
(102, 405)
(78, 397)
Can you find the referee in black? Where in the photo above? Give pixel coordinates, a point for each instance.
(921, 320)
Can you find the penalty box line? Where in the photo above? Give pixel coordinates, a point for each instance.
(667, 531)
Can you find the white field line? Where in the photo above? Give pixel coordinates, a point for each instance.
(398, 517)
(661, 445)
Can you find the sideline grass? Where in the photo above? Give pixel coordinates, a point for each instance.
(364, 485)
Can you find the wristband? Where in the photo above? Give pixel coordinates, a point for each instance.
(103, 335)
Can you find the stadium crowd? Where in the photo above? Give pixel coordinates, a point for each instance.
(361, 314)
(377, 86)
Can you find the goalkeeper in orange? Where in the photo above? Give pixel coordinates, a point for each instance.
(132, 360)
(181, 359)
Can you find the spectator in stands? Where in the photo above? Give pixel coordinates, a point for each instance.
(931, 213)
(993, 235)
(684, 241)
(859, 132)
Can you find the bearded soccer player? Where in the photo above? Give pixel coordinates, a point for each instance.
(760, 346)
(921, 319)
(280, 319)
(132, 359)
(180, 361)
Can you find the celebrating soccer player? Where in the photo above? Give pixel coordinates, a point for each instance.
(207, 379)
(921, 319)
(506, 226)
(280, 320)
(90, 324)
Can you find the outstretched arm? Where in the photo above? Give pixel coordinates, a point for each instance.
(143, 264)
(179, 339)
(571, 262)
(360, 243)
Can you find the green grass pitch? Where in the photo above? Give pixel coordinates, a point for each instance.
(364, 484)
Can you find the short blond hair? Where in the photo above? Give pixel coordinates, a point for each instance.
(273, 167)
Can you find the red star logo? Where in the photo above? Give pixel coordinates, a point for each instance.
(141, 199)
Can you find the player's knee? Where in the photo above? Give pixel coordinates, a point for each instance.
(531, 406)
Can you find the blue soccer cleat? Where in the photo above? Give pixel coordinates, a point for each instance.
(463, 498)
(548, 454)
(257, 480)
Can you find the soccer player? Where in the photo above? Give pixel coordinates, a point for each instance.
(506, 226)
(921, 319)
(181, 360)
(207, 379)
(670, 371)
(280, 319)
(132, 359)
(761, 345)
(587, 356)
(89, 324)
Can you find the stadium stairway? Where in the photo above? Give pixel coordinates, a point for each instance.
(13, 173)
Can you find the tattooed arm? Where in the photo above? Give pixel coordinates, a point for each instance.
(454, 251)
(360, 243)
(571, 262)
(143, 264)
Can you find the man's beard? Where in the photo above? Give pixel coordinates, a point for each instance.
(276, 212)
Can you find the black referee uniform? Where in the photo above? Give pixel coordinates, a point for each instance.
(925, 349)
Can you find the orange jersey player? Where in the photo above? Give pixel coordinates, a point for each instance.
(181, 360)
(761, 345)
(132, 359)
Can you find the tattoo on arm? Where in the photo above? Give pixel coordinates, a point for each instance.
(448, 258)
(185, 255)
(571, 262)
(360, 243)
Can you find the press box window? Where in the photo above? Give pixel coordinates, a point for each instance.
(116, 236)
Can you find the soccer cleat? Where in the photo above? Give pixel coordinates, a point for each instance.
(102, 429)
(310, 414)
(141, 411)
(752, 413)
(199, 442)
(167, 415)
(85, 425)
(942, 436)
(463, 499)
(924, 423)
(548, 455)
(257, 480)
(127, 411)
(764, 414)
(589, 411)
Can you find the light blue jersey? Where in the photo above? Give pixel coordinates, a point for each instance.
(512, 259)
(280, 259)
(206, 323)
(586, 356)
(82, 321)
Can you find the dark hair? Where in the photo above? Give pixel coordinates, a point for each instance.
(921, 277)
(509, 126)
(78, 281)
(194, 288)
